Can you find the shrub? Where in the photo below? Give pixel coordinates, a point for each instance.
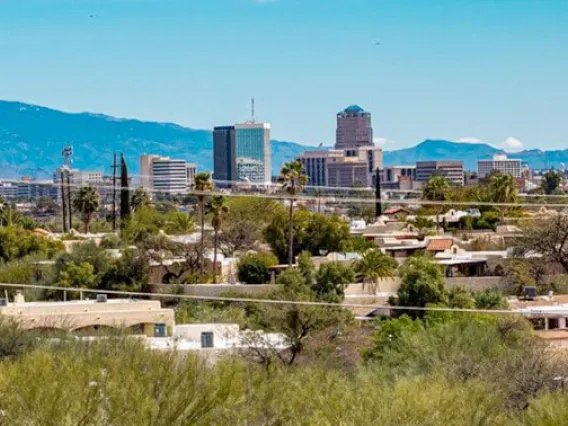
(253, 267)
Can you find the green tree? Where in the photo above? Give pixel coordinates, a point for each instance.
(77, 276)
(218, 207)
(490, 299)
(438, 188)
(503, 190)
(253, 267)
(551, 181)
(140, 199)
(293, 179)
(17, 243)
(125, 210)
(422, 283)
(307, 268)
(130, 272)
(87, 202)
(331, 280)
(202, 183)
(312, 232)
(374, 265)
(460, 298)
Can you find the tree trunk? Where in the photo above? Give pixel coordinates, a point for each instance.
(215, 256)
(202, 254)
(291, 234)
(87, 224)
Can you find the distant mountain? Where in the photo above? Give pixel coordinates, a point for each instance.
(32, 137)
(469, 153)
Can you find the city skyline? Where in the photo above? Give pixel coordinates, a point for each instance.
(463, 72)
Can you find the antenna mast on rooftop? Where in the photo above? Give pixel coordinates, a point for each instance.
(252, 110)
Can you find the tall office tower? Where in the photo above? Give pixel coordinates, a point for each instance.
(146, 170)
(169, 175)
(224, 156)
(191, 171)
(252, 153)
(315, 165)
(354, 129)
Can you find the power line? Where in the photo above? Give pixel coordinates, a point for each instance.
(331, 199)
(266, 301)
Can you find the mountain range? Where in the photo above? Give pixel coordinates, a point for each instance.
(32, 137)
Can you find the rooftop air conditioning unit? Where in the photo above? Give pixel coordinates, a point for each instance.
(529, 292)
(101, 298)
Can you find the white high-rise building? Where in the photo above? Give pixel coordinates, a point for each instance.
(169, 176)
(500, 163)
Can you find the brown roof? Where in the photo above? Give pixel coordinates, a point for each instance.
(439, 244)
(394, 210)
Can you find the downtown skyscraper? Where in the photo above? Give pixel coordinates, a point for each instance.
(241, 153)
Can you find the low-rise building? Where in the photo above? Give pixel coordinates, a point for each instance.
(450, 169)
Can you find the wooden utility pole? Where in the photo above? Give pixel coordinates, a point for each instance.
(69, 206)
(63, 201)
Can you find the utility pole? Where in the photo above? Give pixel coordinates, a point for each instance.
(378, 204)
(69, 206)
(63, 201)
(114, 166)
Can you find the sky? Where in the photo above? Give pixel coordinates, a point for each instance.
(466, 70)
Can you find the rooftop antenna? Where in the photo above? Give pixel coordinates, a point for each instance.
(252, 109)
(67, 156)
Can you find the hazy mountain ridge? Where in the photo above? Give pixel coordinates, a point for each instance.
(32, 137)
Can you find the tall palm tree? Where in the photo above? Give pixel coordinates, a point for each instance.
(87, 202)
(140, 199)
(374, 265)
(503, 190)
(438, 188)
(218, 207)
(202, 183)
(292, 178)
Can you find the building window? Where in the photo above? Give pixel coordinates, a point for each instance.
(207, 339)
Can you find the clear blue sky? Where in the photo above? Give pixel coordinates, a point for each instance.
(485, 69)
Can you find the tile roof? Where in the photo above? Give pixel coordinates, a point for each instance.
(439, 244)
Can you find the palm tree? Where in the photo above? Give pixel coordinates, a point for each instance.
(217, 206)
(86, 202)
(438, 188)
(375, 265)
(202, 183)
(140, 199)
(503, 190)
(293, 179)
(180, 223)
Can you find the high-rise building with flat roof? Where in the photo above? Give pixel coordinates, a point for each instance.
(242, 153)
(252, 152)
(501, 164)
(224, 158)
(354, 128)
(315, 165)
(169, 176)
(452, 170)
(146, 170)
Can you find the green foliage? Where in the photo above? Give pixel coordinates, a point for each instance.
(374, 265)
(422, 283)
(87, 202)
(551, 181)
(389, 331)
(130, 272)
(140, 199)
(77, 276)
(490, 299)
(179, 223)
(359, 244)
(331, 280)
(125, 209)
(253, 267)
(460, 298)
(16, 243)
(111, 241)
(312, 232)
(306, 267)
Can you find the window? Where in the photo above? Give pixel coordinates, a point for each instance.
(207, 339)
